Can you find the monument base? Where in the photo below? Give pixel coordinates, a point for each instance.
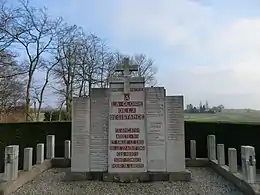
(180, 176)
(129, 177)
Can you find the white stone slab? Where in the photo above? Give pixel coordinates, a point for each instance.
(155, 124)
(99, 130)
(67, 149)
(50, 146)
(122, 145)
(27, 159)
(11, 162)
(39, 153)
(232, 160)
(175, 146)
(80, 135)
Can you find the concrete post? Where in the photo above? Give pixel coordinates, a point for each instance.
(250, 164)
(50, 147)
(243, 162)
(211, 143)
(232, 160)
(27, 159)
(40, 154)
(67, 153)
(221, 154)
(11, 162)
(193, 149)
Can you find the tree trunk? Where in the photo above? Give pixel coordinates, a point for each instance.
(27, 101)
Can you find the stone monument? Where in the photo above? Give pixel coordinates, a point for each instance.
(129, 131)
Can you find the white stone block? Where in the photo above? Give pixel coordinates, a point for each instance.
(40, 154)
(250, 164)
(50, 147)
(175, 144)
(211, 144)
(155, 128)
(221, 154)
(80, 135)
(193, 152)
(27, 159)
(67, 149)
(243, 162)
(232, 160)
(11, 162)
(98, 142)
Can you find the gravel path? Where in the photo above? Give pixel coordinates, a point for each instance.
(204, 181)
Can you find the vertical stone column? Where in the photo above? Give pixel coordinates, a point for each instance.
(250, 164)
(232, 160)
(27, 159)
(211, 144)
(40, 154)
(243, 162)
(221, 154)
(67, 149)
(193, 152)
(50, 147)
(11, 162)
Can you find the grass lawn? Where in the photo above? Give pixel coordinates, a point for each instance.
(240, 117)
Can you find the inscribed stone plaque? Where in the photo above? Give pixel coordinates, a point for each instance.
(80, 134)
(127, 142)
(99, 130)
(175, 151)
(155, 124)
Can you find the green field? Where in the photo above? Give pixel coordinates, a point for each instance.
(240, 117)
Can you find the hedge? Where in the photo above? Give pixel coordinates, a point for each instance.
(30, 134)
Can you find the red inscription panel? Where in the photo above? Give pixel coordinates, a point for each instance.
(127, 151)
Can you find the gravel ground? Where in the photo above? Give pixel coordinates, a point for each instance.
(204, 181)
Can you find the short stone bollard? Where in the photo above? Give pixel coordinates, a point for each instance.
(250, 164)
(27, 159)
(67, 153)
(11, 162)
(211, 146)
(50, 147)
(243, 162)
(232, 160)
(40, 154)
(221, 154)
(193, 149)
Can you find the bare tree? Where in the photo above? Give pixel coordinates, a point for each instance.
(34, 32)
(91, 64)
(64, 72)
(39, 90)
(11, 88)
(147, 68)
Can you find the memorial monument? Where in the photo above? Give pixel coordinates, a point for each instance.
(129, 131)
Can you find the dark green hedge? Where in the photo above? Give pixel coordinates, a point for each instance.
(233, 135)
(30, 134)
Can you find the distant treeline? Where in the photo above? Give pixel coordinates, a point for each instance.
(203, 108)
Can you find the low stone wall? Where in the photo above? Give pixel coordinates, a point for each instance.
(245, 182)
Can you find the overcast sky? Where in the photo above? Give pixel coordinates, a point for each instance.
(206, 50)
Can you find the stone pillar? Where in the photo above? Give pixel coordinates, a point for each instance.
(193, 149)
(250, 164)
(50, 147)
(232, 160)
(221, 154)
(243, 162)
(67, 149)
(27, 159)
(40, 154)
(11, 162)
(211, 143)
